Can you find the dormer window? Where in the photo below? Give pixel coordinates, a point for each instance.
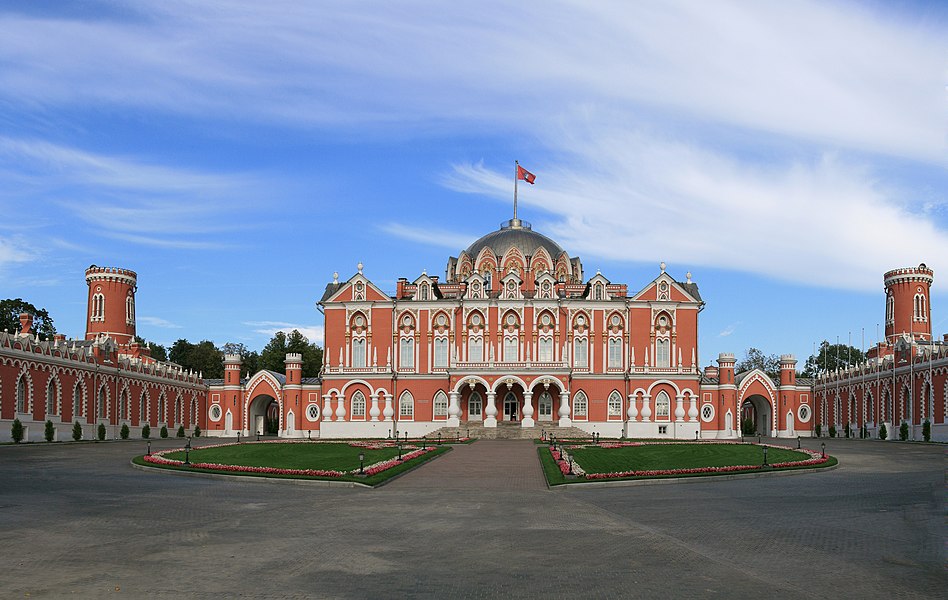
(423, 292)
(598, 292)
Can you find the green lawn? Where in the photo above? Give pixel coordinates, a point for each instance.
(339, 457)
(677, 456)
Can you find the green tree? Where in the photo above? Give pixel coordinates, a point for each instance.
(49, 432)
(203, 357)
(249, 359)
(16, 431)
(77, 431)
(10, 310)
(830, 357)
(157, 351)
(273, 356)
(124, 432)
(755, 359)
(146, 431)
(101, 432)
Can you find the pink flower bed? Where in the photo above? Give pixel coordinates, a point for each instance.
(158, 458)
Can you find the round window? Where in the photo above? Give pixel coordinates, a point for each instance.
(475, 319)
(662, 321)
(580, 320)
(804, 413)
(359, 286)
(215, 412)
(707, 412)
(407, 321)
(312, 412)
(616, 320)
(545, 319)
(442, 319)
(511, 320)
(663, 286)
(359, 321)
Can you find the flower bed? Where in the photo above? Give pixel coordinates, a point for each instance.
(567, 465)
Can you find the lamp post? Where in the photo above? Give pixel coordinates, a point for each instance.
(361, 463)
(439, 438)
(424, 442)
(798, 442)
(238, 437)
(823, 448)
(399, 452)
(148, 453)
(765, 456)
(187, 451)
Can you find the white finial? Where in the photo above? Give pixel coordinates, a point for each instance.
(598, 272)
(688, 276)
(359, 266)
(662, 266)
(424, 272)
(335, 277)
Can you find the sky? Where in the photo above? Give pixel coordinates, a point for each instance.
(237, 154)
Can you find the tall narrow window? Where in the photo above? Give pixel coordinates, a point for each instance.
(580, 405)
(662, 353)
(511, 348)
(78, 406)
(358, 352)
(545, 406)
(615, 405)
(51, 398)
(142, 411)
(890, 309)
(475, 349)
(615, 353)
(440, 404)
(580, 353)
(662, 405)
(406, 353)
(101, 405)
(406, 407)
(441, 352)
(130, 309)
(21, 393)
(358, 405)
(545, 349)
(423, 294)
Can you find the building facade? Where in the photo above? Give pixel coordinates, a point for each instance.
(514, 335)
(106, 378)
(905, 376)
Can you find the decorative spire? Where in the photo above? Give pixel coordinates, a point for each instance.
(335, 277)
(688, 276)
(360, 266)
(661, 265)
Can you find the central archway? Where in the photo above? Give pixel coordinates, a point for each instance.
(263, 415)
(756, 408)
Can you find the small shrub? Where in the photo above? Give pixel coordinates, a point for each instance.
(77, 431)
(748, 427)
(16, 431)
(819, 430)
(164, 431)
(49, 432)
(903, 431)
(927, 431)
(832, 431)
(883, 432)
(100, 432)
(197, 431)
(180, 431)
(146, 431)
(124, 431)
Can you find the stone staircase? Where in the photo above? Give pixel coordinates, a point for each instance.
(507, 431)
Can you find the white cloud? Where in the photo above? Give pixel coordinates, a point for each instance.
(314, 333)
(158, 322)
(14, 249)
(729, 330)
(433, 236)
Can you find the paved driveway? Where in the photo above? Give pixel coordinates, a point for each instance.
(77, 520)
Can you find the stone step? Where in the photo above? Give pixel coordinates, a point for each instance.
(507, 431)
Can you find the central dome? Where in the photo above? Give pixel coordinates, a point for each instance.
(515, 233)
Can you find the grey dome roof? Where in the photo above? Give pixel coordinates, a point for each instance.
(515, 233)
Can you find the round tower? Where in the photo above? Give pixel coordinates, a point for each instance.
(788, 370)
(111, 306)
(907, 303)
(726, 367)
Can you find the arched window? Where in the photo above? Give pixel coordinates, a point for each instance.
(511, 348)
(662, 405)
(423, 292)
(545, 349)
(440, 404)
(580, 353)
(98, 307)
(102, 405)
(406, 407)
(921, 312)
(358, 406)
(406, 353)
(598, 292)
(662, 353)
(143, 409)
(22, 393)
(475, 349)
(358, 353)
(615, 353)
(890, 309)
(474, 404)
(615, 405)
(545, 406)
(130, 309)
(51, 398)
(125, 406)
(580, 405)
(441, 352)
(78, 406)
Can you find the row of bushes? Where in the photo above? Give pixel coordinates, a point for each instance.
(17, 431)
(883, 432)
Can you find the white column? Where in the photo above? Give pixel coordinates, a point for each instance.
(693, 409)
(679, 408)
(454, 411)
(646, 408)
(374, 412)
(341, 407)
(565, 421)
(490, 411)
(527, 420)
(387, 412)
(327, 407)
(633, 411)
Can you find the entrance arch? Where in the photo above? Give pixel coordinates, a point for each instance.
(757, 408)
(263, 415)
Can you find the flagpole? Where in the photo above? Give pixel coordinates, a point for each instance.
(516, 173)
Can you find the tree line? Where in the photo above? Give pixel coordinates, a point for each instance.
(828, 358)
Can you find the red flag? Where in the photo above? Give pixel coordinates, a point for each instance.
(525, 175)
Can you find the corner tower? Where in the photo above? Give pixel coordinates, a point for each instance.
(907, 303)
(111, 306)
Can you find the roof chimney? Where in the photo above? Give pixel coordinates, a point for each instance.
(26, 323)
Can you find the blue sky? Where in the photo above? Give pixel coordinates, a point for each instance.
(236, 154)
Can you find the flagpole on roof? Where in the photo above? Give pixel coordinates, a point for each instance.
(516, 177)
